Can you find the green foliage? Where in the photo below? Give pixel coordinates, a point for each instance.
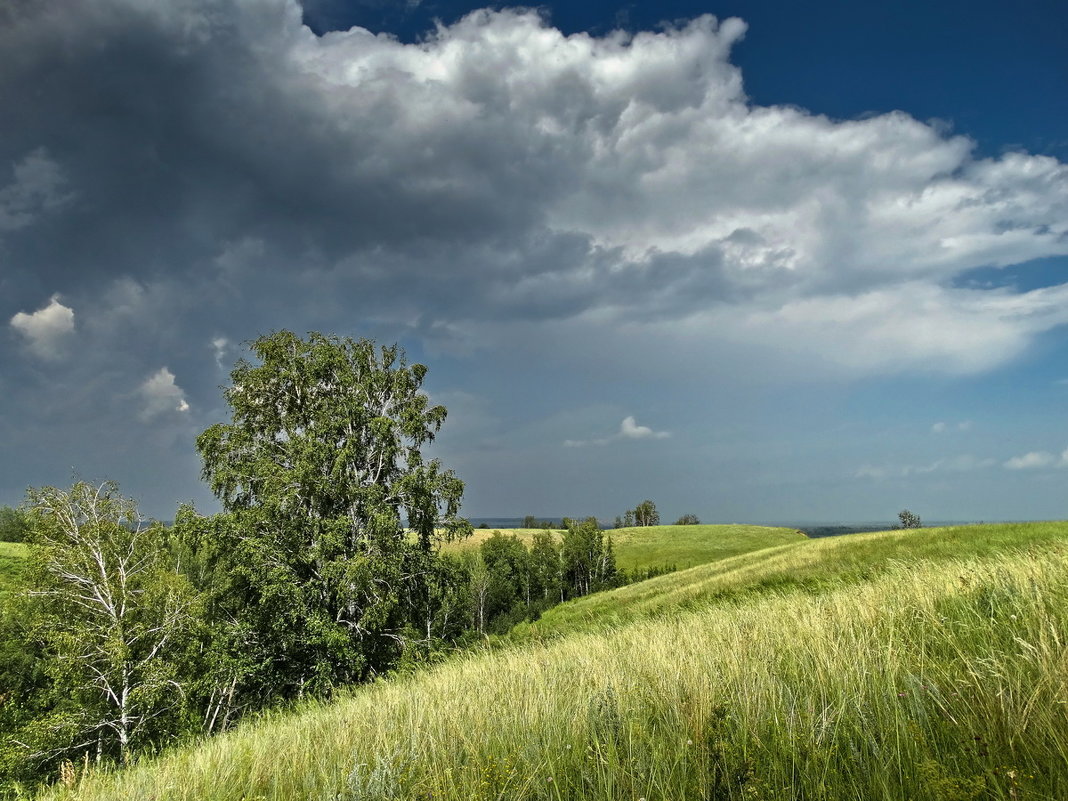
(508, 577)
(644, 514)
(12, 564)
(317, 471)
(588, 561)
(103, 626)
(908, 519)
(13, 524)
(688, 520)
(530, 521)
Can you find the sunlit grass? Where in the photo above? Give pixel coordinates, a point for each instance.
(12, 558)
(661, 546)
(811, 564)
(937, 677)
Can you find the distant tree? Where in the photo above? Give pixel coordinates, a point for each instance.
(587, 558)
(530, 521)
(444, 602)
(687, 520)
(13, 524)
(908, 519)
(618, 523)
(507, 563)
(628, 518)
(545, 568)
(480, 583)
(645, 514)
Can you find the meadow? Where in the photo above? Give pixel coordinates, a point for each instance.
(660, 546)
(12, 557)
(928, 664)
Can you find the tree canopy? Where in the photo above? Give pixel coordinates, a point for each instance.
(331, 511)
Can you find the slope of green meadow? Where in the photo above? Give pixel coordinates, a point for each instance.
(660, 546)
(790, 562)
(929, 664)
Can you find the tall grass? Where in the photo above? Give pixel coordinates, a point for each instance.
(810, 564)
(930, 680)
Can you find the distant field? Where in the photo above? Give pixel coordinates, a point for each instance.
(800, 562)
(925, 665)
(657, 546)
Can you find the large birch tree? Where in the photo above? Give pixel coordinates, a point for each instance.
(333, 512)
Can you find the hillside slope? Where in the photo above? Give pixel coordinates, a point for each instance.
(661, 546)
(810, 564)
(900, 670)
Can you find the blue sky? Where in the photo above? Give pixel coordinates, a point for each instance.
(755, 261)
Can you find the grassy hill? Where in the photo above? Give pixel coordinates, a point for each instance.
(927, 664)
(657, 546)
(793, 561)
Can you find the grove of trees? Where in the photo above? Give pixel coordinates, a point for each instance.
(644, 514)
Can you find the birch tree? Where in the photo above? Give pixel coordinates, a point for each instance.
(111, 613)
(332, 508)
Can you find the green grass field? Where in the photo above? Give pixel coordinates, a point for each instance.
(12, 556)
(928, 665)
(659, 546)
(798, 562)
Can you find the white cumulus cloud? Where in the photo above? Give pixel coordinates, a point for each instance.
(47, 329)
(628, 429)
(161, 394)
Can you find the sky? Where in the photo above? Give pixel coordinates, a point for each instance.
(754, 261)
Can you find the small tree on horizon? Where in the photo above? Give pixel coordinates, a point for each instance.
(645, 514)
(908, 519)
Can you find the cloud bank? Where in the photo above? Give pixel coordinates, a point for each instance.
(1037, 460)
(500, 170)
(190, 174)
